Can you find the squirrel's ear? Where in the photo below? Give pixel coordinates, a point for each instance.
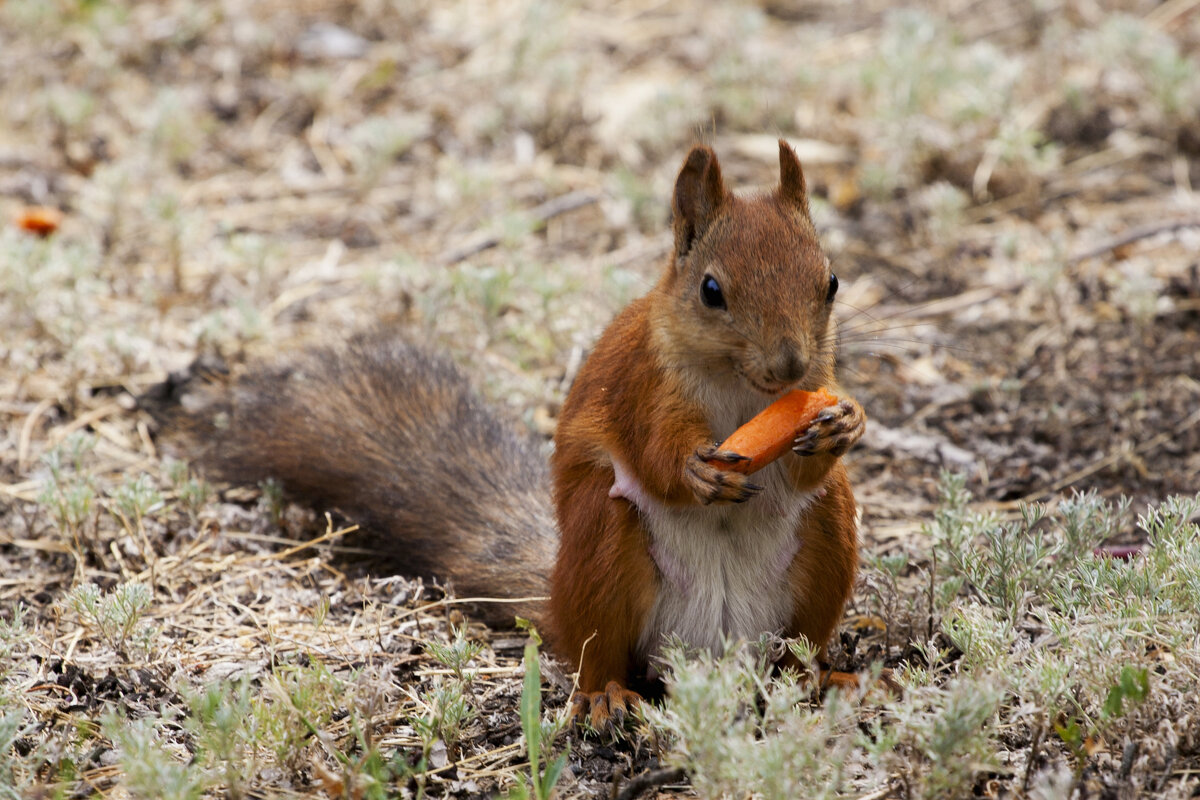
(699, 194)
(792, 188)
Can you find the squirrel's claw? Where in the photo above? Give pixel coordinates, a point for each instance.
(711, 452)
(605, 712)
(855, 684)
(834, 431)
(711, 484)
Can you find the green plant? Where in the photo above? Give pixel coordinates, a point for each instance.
(447, 709)
(1153, 60)
(641, 196)
(72, 108)
(366, 772)
(455, 654)
(13, 773)
(133, 500)
(13, 634)
(116, 615)
(69, 492)
(300, 702)
(177, 127)
(69, 503)
(193, 492)
(1086, 675)
(369, 775)
(1013, 562)
(946, 736)
(233, 723)
(739, 732)
(223, 725)
(443, 711)
(272, 500)
(149, 770)
(1132, 687)
(946, 205)
(490, 288)
(543, 773)
(378, 141)
(886, 597)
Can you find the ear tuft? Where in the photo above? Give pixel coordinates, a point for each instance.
(792, 188)
(699, 194)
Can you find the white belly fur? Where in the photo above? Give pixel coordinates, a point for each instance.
(724, 567)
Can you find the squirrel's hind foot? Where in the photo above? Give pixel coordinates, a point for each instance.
(605, 712)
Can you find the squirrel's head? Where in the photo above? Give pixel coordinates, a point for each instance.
(748, 290)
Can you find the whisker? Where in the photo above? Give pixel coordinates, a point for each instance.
(898, 314)
(870, 336)
(882, 326)
(866, 330)
(885, 317)
(859, 311)
(890, 294)
(901, 344)
(853, 371)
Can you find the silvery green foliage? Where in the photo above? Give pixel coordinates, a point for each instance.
(1037, 632)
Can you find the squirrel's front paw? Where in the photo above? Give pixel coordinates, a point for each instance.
(712, 484)
(834, 431)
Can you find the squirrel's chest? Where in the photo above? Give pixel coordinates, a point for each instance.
(724, 570)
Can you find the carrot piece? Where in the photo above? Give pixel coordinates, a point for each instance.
(772, 431)
(42, 220)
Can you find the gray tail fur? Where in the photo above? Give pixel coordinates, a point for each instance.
(394, 437)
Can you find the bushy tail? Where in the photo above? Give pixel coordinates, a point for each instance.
(395, 438)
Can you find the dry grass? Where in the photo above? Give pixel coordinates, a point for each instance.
(1006, 190)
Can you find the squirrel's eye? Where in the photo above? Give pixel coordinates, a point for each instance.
(710, 292)
(833, 284)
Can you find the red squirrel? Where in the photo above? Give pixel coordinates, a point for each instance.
(652, 537)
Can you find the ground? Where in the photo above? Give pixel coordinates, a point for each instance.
(1005, 191)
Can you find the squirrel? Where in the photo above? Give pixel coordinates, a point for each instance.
(646, 536)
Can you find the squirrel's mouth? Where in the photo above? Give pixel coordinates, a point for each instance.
(769, 388)
(774, 390)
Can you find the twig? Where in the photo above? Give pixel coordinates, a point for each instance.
(83, 421)
(22, 491)
(1144, 232)
(1034, 747)
(44, 545)
(540, 214)
(648, 780)
(1168, 12)
(26, 437)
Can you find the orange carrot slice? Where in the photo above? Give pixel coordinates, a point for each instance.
(42, 220)
(773, 430)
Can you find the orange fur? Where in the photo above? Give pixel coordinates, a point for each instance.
(822, 574)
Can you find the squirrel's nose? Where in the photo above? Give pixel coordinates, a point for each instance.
(789, 366)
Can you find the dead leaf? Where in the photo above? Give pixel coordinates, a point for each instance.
(40, 220)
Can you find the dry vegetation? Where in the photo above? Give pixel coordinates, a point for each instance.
(1006, 190)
